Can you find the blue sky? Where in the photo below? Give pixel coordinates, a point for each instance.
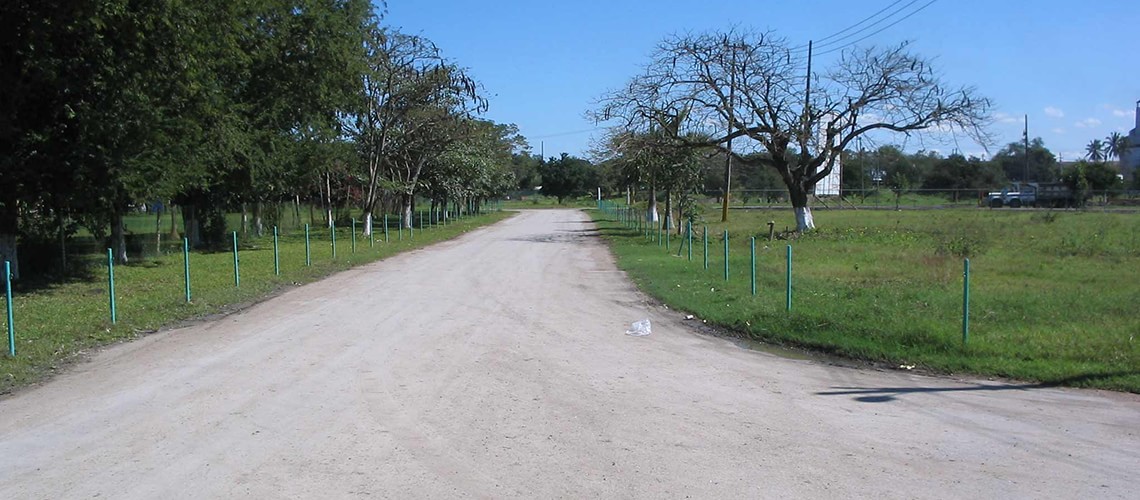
(1073, 67)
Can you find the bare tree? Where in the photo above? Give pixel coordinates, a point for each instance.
(740, 84)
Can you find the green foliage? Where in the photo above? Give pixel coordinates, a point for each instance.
(567, 177)
(116, 103)
(1083, 176)
(955, 172)
(1042, 163)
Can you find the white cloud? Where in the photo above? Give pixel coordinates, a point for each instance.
(1004, 118)
(1059, 131)
(1120, 113)
(1054, 112)
(1087, 123)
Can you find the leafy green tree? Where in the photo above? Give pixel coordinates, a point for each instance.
(956, 173)
(475, 168)
(415, 106)
(567, 177)
(525, 166)
(1042, 162)
(1093, 176)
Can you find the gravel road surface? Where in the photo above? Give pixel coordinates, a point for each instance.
(496, 365)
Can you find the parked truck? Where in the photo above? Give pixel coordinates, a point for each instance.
(1034, 194)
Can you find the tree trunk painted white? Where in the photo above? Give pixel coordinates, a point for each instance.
(368, 224)
(328, 200)
(244, 220)
(804, 221)
(651, 212)
(407, 209)
(118, 237)
(258, 220)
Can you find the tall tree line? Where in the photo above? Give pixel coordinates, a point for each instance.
(109, 104)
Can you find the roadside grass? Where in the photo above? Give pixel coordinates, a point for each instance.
(1053, 294)
(57, 324)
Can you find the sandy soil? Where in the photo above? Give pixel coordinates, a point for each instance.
(496, 365)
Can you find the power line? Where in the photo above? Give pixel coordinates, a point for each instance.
(853, 26)
(872, 25)
(831, 45)
(574, 132)
(884, 28)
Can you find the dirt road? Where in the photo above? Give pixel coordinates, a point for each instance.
(496, 365)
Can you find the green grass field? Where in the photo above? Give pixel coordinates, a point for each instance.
(1053, 294)
(57, 324)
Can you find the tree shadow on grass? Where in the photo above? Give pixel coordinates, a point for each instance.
(888, 394)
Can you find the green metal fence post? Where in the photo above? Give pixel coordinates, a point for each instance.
(726, 255)
(353, 235)
(111, 283)
(308, 251)
(186, 266)
(788, 280)
(385, 228)
(237, 275)
(752, 247)
(276, 254)
(668, 229)
(8, 304)
(965, 301)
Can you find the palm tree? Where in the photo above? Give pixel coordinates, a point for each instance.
(1095, 150)
(1115, 145)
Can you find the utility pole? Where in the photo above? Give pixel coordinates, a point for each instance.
(807, 113)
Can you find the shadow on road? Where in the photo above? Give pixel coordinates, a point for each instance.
(888, 394)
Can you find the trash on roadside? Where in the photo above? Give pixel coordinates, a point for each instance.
(688, 316)
(639, 328)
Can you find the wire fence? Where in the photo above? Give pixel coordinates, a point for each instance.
(329, 243)
(883, 198)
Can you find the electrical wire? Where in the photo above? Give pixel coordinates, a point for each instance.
(560, 134)
(884, 28)
(884, 19)
(853, 26)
